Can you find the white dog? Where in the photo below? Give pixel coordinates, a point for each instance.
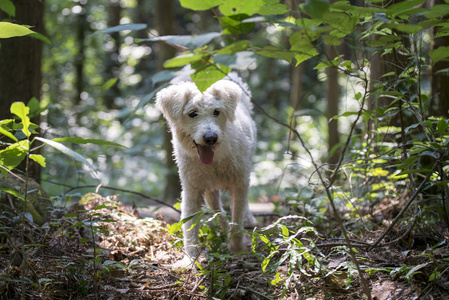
(214, 138)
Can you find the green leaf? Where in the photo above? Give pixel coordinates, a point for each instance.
(332, 40)
(13, 192)
(273, 52)
(439, 54)
(176, 227)
(346, 114)
(236, 7)
(109, 83)
(41, 37)
(200, 5)
(163, 76)
(302, 47)
(83, 240)
(434, 275)
(183, 60)
(344, 23)
(39, 159)
(122, 27)
(403, 7)
(316, 8)
(206, 75)
(22, 111)
(387, 41)
(5, 131)
(12, 156)
(267, 259)
(273, 7)
(191, 42)
(276, 279)
(415, 269)
(407, 28)
(326, 64)
(8, 7)
(285, 231)
(235, 47)
(78, 140)
(8, 30)
(234, 25)
(441, 126)
(67, 151)
(240, 60)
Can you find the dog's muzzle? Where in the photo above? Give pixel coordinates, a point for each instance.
(206, 152)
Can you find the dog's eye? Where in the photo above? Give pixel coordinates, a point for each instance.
(216, 112)
(193, 114)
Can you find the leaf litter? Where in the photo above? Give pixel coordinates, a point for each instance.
(102, 249)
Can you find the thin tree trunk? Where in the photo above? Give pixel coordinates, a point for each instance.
(440, 79)
(112, 64)
(20, 64)
(165, 26)
(79, 58)
(296, 86)
(333, 95)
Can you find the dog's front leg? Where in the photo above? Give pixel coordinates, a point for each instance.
(239, 205)
(214, 203)
(191, 204)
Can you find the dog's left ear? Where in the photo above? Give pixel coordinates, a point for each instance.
(229, 92)
(171, 100)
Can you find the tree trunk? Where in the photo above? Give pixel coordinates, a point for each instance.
(440, 79)
(79, 58)
(20, 64)
(333, 95)
(165, 26)
(143, 14)
(112, 69)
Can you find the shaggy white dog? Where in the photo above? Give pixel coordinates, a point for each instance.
(214, 138)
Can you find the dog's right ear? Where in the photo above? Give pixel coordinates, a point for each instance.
(171, 100)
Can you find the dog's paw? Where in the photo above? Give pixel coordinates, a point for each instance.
(240, 244)
(250, 221)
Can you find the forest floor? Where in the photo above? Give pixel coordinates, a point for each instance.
(134, 259)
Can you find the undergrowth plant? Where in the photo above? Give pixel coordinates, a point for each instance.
(20, 143)
(213, 240)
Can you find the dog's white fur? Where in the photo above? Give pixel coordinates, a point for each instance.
(222, 112)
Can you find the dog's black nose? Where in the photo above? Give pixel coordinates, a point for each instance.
(210, 138)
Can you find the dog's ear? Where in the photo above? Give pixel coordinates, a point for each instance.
(229, 92)
(171, 100)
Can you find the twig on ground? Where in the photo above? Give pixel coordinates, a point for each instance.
(71, 188)
(198, 284)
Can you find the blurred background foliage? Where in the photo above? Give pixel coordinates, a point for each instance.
(94, 82)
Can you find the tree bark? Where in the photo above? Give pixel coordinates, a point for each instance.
(79, 58)
(440, 79)
(165, 26)
(112, 69)
(333, 95)
(20, 64)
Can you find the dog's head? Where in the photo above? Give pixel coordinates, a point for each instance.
(199, 119)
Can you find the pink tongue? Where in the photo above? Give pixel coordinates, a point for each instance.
(206, 154)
